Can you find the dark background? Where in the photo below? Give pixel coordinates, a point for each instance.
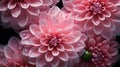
(5, 35)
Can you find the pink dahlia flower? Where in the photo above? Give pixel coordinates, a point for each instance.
(53, 42)
(99, 53)
(13, 55)
(18, 13)
(98, 15)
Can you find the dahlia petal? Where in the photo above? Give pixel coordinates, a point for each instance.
(101, 17)
(83, 37)
(72, 54)
(60, 48)
(43, 23)
(8, 52)
(16, 11)
(47, 2)
(92, 42)
(43, 41)
(11, 4)
(113, 26)
(33, 41)
(113, 51)
(48, 56)
(107, 23)
(35, 3)
(68, 6)
(107, 34)
(14, 44)
(40, 61)
(33, 11)
(63, 56)
(34, 52)
(19, 58)
(34, 29)
(6, 16)
(95, 21)
(80, 17)
(50, 48)
(24, 4)
(79, 46)
(23, 19)
(25, 34)
(55, 63)
(98, 29)
(32, 61)
(88, 25)
(107, 14)
(89, 15)
(54, 11)
(68, 47)
(42, 49)
(79, 8)
(3, 5)
(26, 50)
(55, 52)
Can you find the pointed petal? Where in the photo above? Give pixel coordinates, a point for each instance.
(33, 11)
(35, 3)
(54, 11)
(47, 2)
(40, 61)
(34, 52)
(26, 50)
(107, 24)
(68, 47)
(98, 29)
(32, 61)
(34, 29)
(23, 19)
(11, 4)
(42, 49)
(72, 55)
(91, 42)
(63, 56)
(101, 17)
(79, 8)
(107, 14)
(79, 46)
(55, 63)
(3, 5)
(107, 34)
(8, 52)
(49, 57)
(89, 15)
(60, 48)
(25, 34)
(24, 4)
(16, 11)
(95, 20)
(14, 44)
(55, 52)
(88, 25)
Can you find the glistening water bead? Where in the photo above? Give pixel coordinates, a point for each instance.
(87, 56)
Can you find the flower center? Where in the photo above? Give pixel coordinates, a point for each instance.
(53, 41)
(87, 55)
(97, 7)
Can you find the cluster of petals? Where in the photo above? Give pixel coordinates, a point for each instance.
(11, 55)
(104, 52)
(20, 13)
(54, 41)
(98, 15)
